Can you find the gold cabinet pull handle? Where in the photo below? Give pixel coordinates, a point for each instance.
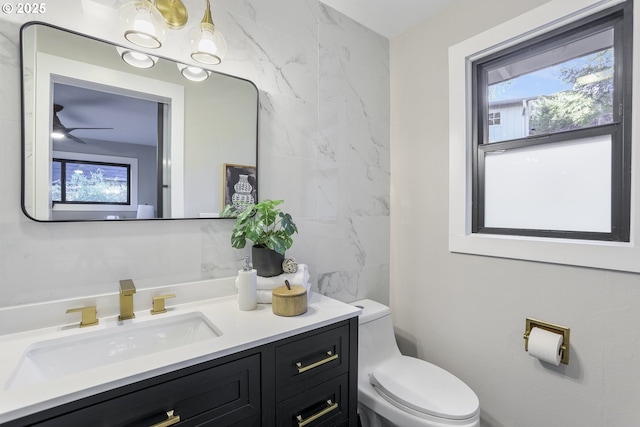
(171, 420)
(329, 358)
(330, 407)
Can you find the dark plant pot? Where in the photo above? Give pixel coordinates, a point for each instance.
(268, 263)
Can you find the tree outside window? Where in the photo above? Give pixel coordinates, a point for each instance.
(90, 182)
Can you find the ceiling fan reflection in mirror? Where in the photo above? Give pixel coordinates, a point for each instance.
(60, 131)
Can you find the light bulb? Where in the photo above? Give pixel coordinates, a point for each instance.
(136, 59)
(195, 74)
(142, 24)
(206, 42)
(208, 46)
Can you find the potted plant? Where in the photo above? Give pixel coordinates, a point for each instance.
(268, 228)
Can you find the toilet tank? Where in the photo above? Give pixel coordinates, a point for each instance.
(371, 310)
(376, 340)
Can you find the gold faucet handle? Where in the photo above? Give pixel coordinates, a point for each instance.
(89, 315)
(158, 303)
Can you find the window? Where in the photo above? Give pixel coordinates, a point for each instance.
(87, 182)
(90, 182)
(559, 164)
(596, 243)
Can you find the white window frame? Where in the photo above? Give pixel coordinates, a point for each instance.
(624, 256)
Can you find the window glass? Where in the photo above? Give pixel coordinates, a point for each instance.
(567, 87)
(90, 182)
(544, 187)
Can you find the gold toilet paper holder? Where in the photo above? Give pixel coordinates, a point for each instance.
(556, 329)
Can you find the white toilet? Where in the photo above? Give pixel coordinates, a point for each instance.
(401, 391)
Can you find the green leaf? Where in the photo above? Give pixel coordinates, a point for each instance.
(263, 224)
(254, 231)
(287, 224)
(227, 212)
(238, 241)
(277, 244)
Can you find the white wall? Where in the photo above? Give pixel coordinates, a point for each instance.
(467, 313)
(324, 148)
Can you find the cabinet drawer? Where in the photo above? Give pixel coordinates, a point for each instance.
(228, 394)
(324, 405)
(308, 361)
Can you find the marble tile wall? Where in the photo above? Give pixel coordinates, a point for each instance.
(324, 149)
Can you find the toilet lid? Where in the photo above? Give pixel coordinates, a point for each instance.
(425, 388)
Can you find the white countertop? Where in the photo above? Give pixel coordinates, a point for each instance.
(241, 330)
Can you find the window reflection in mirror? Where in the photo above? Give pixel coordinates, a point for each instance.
(88, 111)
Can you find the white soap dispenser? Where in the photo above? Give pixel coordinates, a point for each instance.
(247, 287)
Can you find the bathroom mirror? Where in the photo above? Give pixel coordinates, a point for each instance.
(105, 140)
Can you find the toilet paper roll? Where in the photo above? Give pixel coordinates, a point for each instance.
(545, 345)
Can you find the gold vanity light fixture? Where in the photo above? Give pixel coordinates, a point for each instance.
(195, 74)
(145, 23)
(174, 12)
(135, 58)
(207, 44)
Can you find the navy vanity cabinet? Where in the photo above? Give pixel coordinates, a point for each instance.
(306, 380)
(326, 405)
(316, 378)
(225, 392)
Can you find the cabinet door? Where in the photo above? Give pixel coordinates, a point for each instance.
(224, 395)
(326, 405)
(303, 363)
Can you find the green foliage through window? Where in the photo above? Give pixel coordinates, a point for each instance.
(589, 102)
(90, 182)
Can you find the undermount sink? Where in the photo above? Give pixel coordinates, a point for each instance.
(56, 358)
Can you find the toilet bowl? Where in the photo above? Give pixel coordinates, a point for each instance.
(401, 391)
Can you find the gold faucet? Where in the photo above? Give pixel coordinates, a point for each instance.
(158, 303)
(89, 315)
(127, 289)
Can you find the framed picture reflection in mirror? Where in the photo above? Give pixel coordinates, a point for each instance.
(239, 185)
